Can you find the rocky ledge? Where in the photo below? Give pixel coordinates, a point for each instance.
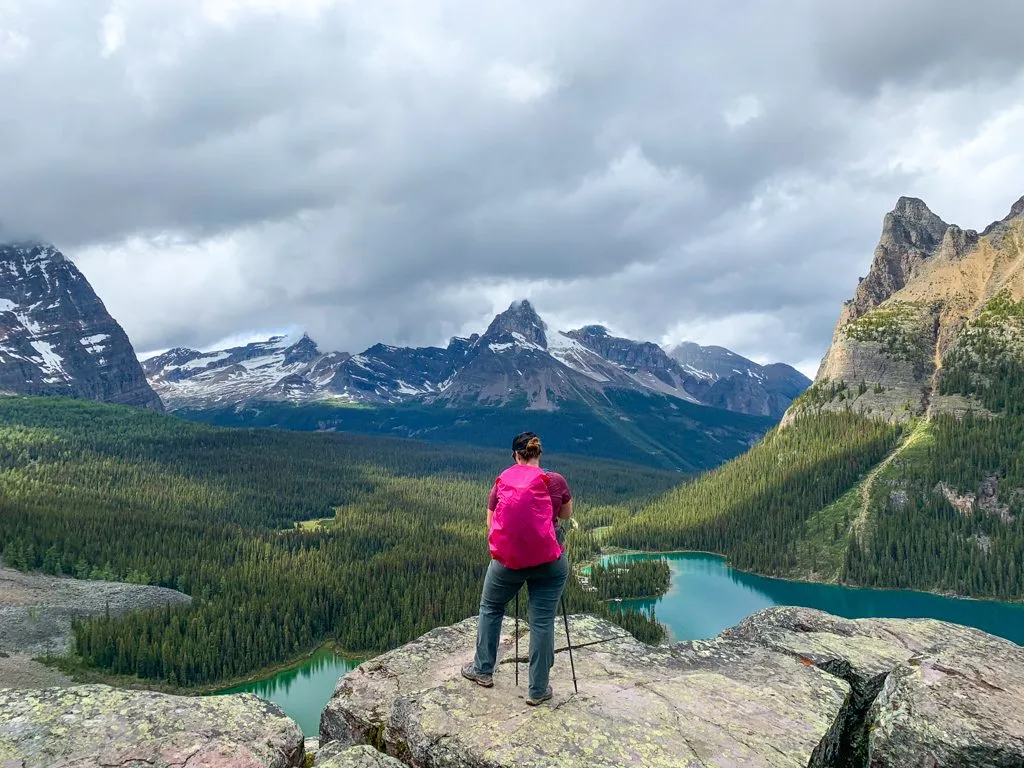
(787, 687)
(95, 725)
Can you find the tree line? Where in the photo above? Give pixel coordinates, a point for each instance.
(101, 491)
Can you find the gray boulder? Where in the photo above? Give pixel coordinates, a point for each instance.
(95, 725)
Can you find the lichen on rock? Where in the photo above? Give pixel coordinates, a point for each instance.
(787, 687)
(699, 704)
(95, 725)
(335, 756)
(925, 692)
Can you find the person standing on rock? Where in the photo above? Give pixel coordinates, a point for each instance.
(522, 510)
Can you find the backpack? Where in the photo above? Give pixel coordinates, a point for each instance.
(522, 531)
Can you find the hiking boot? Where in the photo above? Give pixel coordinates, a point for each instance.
(540, 699)
(469, 672)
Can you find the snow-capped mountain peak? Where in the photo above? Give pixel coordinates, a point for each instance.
(56, 337)
(521, 324)
(518, 359)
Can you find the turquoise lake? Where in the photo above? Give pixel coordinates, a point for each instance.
(706, 597)
(302, 691)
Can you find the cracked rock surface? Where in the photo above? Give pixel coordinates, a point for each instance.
(94, 725)
(937, 694)
(716, 703)
(787, 687)
(336, 756)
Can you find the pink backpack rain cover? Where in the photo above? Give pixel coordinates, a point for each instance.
(522, 531)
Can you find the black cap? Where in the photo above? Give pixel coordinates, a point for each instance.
(520, 441)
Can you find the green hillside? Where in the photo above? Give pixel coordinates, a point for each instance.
(100, 491)
(933, 503)
(652, 430)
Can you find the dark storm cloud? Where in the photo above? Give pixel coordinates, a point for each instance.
(397, 170)
(868, 45)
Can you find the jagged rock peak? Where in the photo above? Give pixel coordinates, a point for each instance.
(56, 336)
(911, 235)
(304, 350)
(460, 345)
(175, 356)
(913, 208)
(519, 318)
(592, 330)
(1016, 210)
(913, 220)
(957, 243)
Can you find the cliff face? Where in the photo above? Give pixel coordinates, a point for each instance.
(929, 283)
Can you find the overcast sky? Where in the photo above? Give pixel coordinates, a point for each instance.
(398, 170)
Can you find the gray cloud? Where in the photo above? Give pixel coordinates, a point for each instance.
(398, 170)
(873, 44)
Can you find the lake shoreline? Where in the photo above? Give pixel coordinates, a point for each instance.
(618, 551)
(72, 667)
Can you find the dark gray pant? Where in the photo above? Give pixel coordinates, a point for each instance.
(545, 584)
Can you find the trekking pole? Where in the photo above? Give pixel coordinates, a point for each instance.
(517, 639)
(568, 642)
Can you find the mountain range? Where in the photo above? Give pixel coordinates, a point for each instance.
(899, 467)
(592, 393)
(517, 362)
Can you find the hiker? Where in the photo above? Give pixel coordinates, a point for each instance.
(524, 505)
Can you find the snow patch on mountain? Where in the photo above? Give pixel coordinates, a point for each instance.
(572, 354)
(56, 337)
(516, 357)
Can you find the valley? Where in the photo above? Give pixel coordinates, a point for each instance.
(212, 513)
(297, 502)
(324, 324)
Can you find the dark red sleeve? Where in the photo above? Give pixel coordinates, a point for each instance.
(559, 489)
(492, 502)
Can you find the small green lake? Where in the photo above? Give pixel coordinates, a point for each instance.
(708, 596)
(302, 691)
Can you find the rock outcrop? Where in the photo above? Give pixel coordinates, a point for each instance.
(95, 725)
(911, 235)
(928, 284)
(922, 692)
(36, 610)
(57, 338)
(787, 687)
